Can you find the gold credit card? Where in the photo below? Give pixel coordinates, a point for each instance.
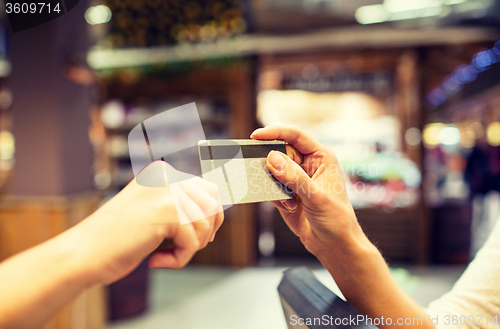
(238, 168)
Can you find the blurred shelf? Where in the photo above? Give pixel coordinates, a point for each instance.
(357, 37)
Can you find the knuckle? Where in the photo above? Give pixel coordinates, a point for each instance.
(324, 199)
(203, 225)
(290, 177)
(161, 231)
(324, 152)
(166, 204)
(295, 133)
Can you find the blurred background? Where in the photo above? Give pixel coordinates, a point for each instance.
(404, 92)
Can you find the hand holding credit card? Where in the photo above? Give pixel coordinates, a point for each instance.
(239, 169)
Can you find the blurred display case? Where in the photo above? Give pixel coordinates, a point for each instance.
(461, 141)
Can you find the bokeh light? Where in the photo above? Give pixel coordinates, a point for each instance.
(98, 15)
(413, 137)
(113, 115)
(431, 134)
(102, 179)
(493, 134)
(7, 145)
(449, 135)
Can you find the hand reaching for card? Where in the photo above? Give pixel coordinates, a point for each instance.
(133, 223)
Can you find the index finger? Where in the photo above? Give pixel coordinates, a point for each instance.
(290, 134)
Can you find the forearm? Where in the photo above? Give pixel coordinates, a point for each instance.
(327, 226)
(108, 245)
(366, 281)
(40, 281)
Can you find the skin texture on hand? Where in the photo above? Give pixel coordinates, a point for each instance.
(134, 223)
(107, 245)
(324, 220)
(314, 174)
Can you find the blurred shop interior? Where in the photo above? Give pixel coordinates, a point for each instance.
(404, 91)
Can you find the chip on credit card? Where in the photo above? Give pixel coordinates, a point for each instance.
(238, 168)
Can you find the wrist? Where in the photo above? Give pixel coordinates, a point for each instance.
(356, 267)
(350, 253)
(351, 256)
(347, 247)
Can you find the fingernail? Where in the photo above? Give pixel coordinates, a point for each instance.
(277, 160)
(290, 204)
(212, 238)
(255, 131)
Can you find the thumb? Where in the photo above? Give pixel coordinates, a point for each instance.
(289, 173)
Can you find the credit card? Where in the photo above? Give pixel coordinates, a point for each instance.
(238, 168)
